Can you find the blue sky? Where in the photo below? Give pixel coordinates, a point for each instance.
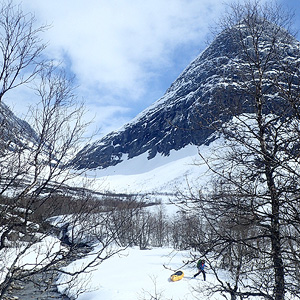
(125, 53)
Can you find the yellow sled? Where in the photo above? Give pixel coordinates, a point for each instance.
(177, 276)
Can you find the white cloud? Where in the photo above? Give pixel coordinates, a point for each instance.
(112, 44)
(116, 48)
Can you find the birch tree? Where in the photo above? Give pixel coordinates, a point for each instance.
(253, 209)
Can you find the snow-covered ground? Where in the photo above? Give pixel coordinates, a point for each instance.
(139, 274)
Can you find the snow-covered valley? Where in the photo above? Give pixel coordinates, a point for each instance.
(210, 170)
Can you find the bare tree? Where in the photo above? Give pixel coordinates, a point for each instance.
(43, 222)
(38, 233)
(21, 47)
(253, 210)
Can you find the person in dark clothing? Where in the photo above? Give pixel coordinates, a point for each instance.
(201, 266)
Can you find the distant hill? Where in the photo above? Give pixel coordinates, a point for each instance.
(13, 130)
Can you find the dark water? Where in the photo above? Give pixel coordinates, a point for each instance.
(42, 287)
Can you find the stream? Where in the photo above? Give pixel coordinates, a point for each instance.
(42, 286)
(28, 290)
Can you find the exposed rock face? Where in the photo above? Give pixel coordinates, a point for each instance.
(213, 88)
(14, 131)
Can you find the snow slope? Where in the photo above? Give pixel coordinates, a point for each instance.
(162, 174)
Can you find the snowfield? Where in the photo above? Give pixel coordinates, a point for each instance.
(139, 274)
(162, 174)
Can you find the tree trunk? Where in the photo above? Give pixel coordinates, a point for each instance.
(269, 164)
(279, 287)
(276, 253)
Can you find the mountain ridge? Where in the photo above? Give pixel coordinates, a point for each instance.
(202, 97)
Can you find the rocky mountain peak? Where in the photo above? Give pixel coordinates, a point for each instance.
(207, 93)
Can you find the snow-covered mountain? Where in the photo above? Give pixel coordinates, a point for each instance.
(209, 92)
(14, 131)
